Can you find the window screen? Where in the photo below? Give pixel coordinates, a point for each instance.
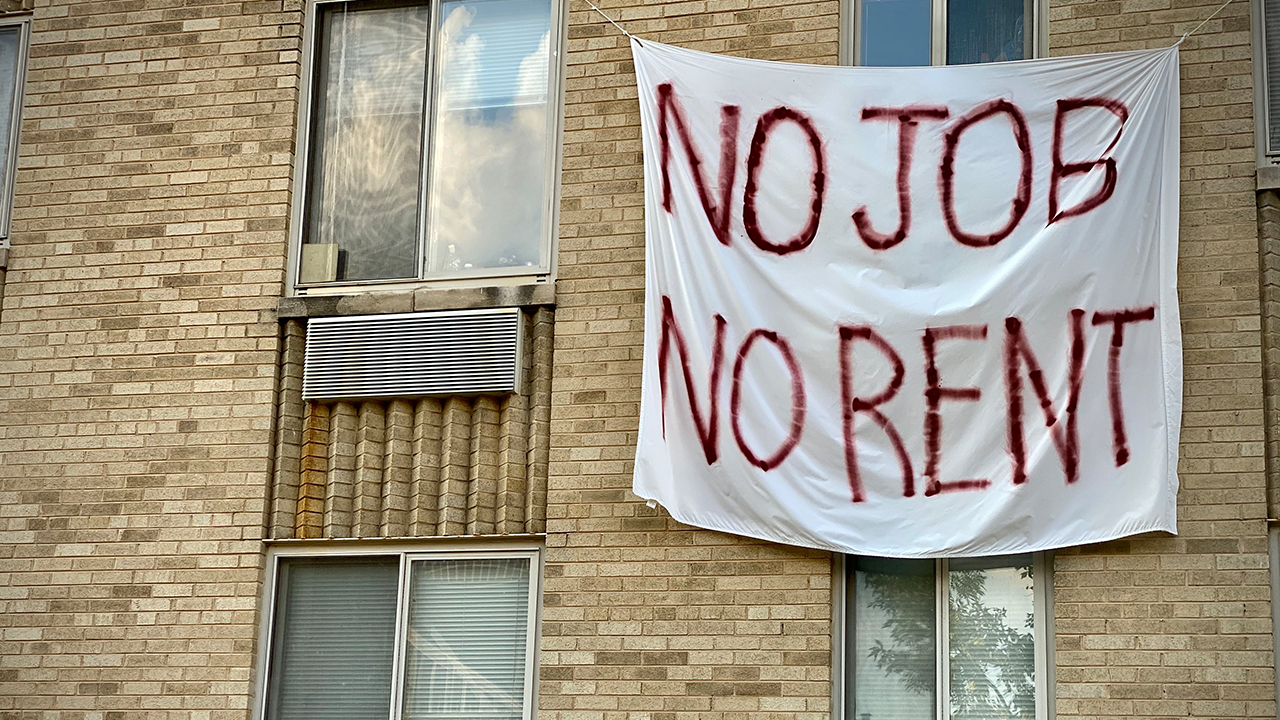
(10, 54)
(468, 639)
(991, 641)
(895, 644)
(349, 642)
(1271, 46)
(981, 31)
(334, 639)
(912, 625)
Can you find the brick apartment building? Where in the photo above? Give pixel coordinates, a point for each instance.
(191, 526)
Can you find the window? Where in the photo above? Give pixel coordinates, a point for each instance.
(430, 146)
(943, 32)
(930, 639)
(1266, 23)
(13, 61)
(1273, 542)
(437, 636)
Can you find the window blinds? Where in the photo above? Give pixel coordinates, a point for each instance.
(1271, 46)
(10, 46)
(992, 646)
(334, 639)
(366, 153)
(494, 53)
(468, 635)
(894, 627)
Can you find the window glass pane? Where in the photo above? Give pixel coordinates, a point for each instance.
(491, 135)
(981, 31)
(467, 639)
(10, 46)
(895, 626)
(894, 33)
(991, 639)
(334, 639)
(366, 152)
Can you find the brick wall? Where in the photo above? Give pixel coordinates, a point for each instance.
(1146, 627)
(1159, 626)
(137, 351)
(644, 617)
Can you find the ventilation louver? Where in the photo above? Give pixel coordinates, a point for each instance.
(412, 355)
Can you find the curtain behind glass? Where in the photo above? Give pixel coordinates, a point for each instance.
(468, 636)
(366, 152)
(992, 640)
(491, 136)
(981, 31)
(10, 45)
(895, 33)
(895, 628)
(334, 640)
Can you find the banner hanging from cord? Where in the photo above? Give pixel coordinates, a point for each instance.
(912, 312)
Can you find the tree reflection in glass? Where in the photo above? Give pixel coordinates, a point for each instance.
(989, 631)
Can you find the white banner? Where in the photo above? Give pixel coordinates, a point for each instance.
(912, 312)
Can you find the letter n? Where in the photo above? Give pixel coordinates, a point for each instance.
(1066, 437)
(708, 429)
(717, 209)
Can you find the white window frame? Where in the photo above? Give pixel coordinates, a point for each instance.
(545, 272)
(408, 553)
(851, 27)
(1042, 604)
(23, 22)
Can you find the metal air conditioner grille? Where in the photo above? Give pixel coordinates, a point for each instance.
(414, 354)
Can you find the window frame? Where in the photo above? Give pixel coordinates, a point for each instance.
(1042, 602)
(545, 272)
(1273, 555)
(407, 554)
(1267, 156)
(851, 25)
(23, 22)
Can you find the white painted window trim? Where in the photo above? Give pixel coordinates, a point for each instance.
(1046, 680)
(851, 19)
(479, 278)
(407, 552)
(23, 21)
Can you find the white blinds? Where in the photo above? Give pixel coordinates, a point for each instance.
(494, 53)
(894, 624)
(468, 635)
(900, 612)
(992, 646)
(334, 639)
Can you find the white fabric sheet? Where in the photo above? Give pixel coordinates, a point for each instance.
(1030, 270)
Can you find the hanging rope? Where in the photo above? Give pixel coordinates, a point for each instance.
(620, 28)
(1204, 22)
